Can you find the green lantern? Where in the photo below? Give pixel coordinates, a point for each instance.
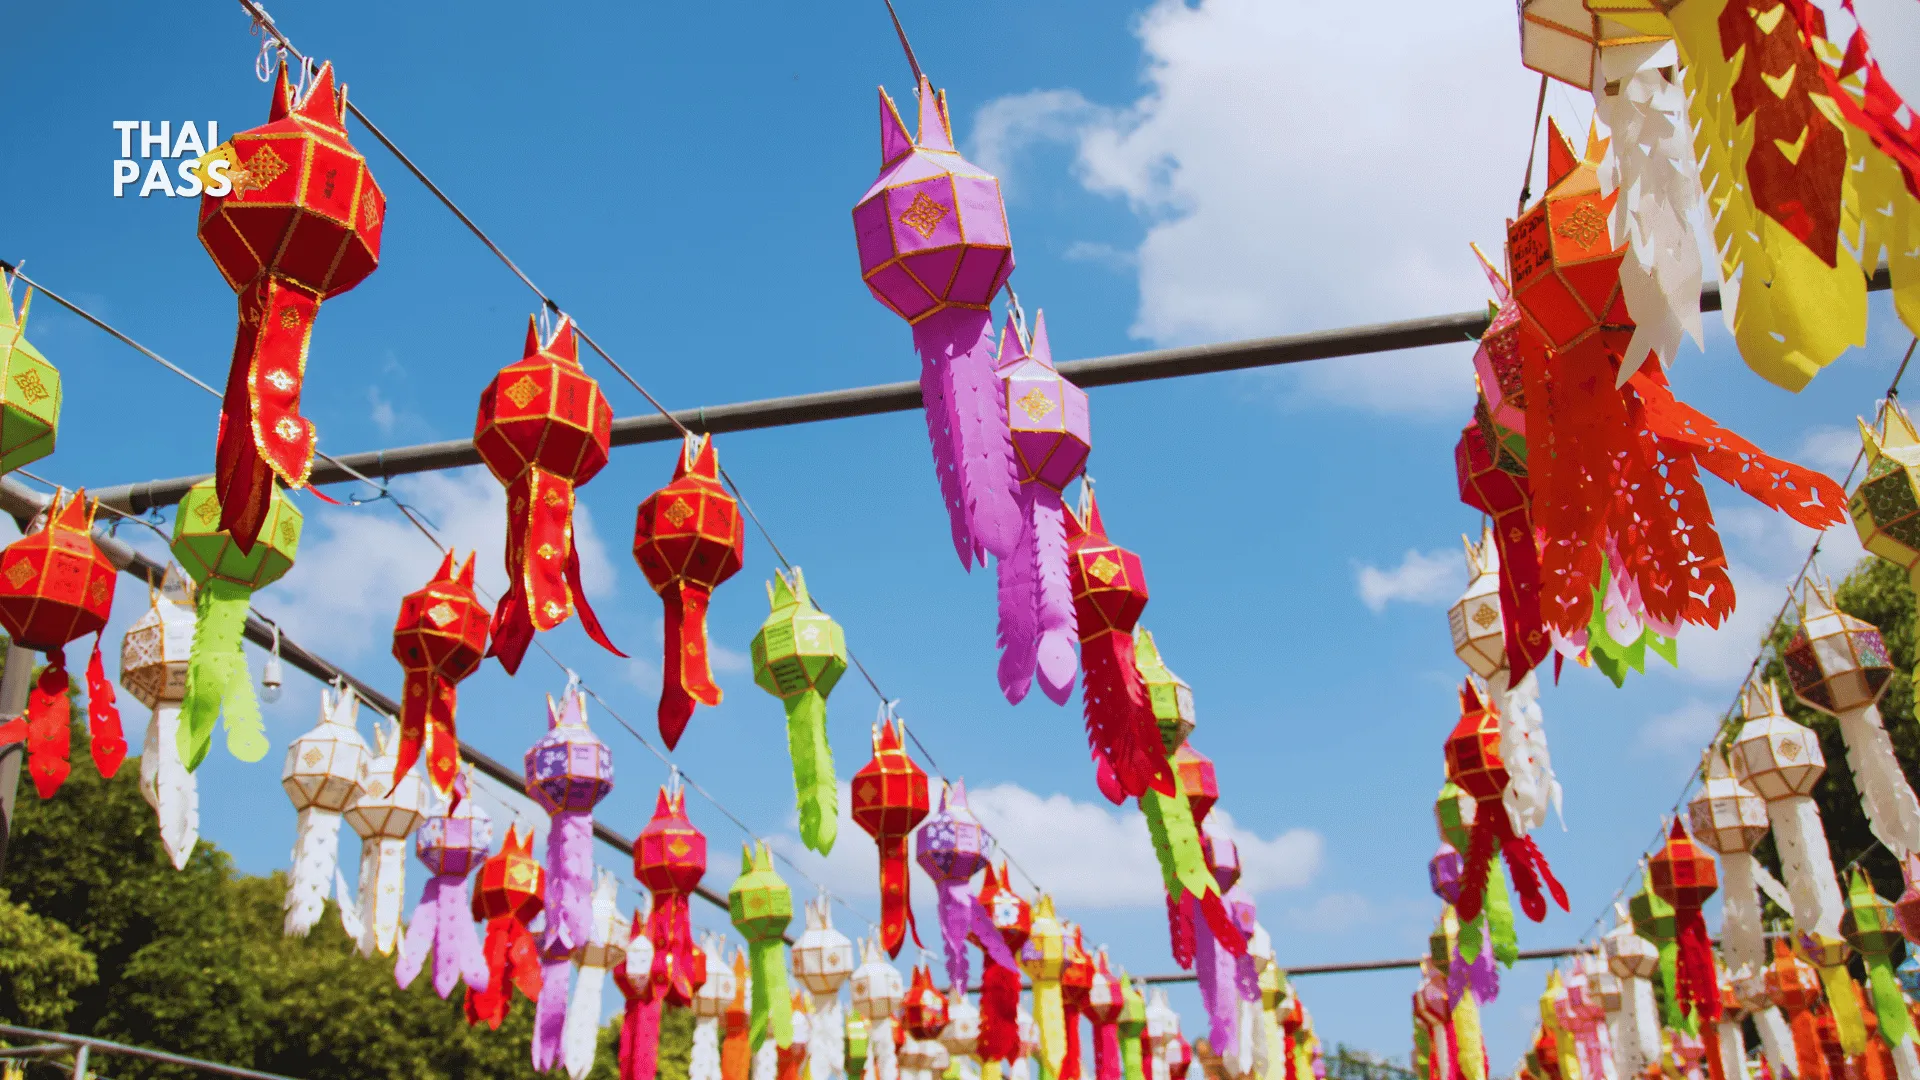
(29, 391)
(856, 1061)
(1870, 927)
(218, 682)
(1169, 694)
(762, 907)
(798, 656)
(1653, 919)
(1133, 1022)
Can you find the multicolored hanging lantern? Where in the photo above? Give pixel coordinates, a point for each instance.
(876, 992)
(1474, 763)
(1731, 818)
(1192, 893)
(153, 668)
(440, 638)
(1109, 593)
(1048, 418)
(1474, 619)
(1794, 986)
(1492, 475)
(226, 575)
(603, 947)
(507, 896)
(639, 1048)
(325, 773)
(1043, 958)
(952, 846)
(1168, 694)
(823, 962)
(923, 1016)
(29, 388)
(1011, 919)
(670, 858)
(568, 770)
(301, 223)
(1635, 962)
(1885, 505)
(57, 585)
(1076, 983)
(544, 429)
(1105, 1003)
(961, 1036)
(889, 802)
(391, 806)
(1870, 928)
(451, 845)
(689, 537)
(1684, 876)
(934, 248)
(762, 907)
(798, 656)
(709, 1006)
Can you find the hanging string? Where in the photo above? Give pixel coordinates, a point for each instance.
(1526, 183)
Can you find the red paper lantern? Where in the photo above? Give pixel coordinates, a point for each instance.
(670, 858)
(544, 429)
(1474, 763)
(1000, 986)
(1076, 984)
(1495, 484)
(440, 638)
(923, 1011)
(301, 223)
(688, 538)
(1109, 593)
(1197, 779)
(1684, 876)
(889, 801)
(57, 585)
(507, 894)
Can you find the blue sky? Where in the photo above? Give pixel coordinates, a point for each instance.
(680, 178)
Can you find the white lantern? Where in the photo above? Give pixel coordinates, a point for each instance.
(1565, 38)
(604, 948)
(1478, 637)
(385, 815)
(1629, 956)
(710, 1004)
(961, 1036)
(822, 957)
(153, 668)
(1727, 815)
(325, 774)
(877, 986)
(1773, 755)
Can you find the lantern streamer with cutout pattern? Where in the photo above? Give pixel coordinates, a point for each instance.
(324, 775)
(507, 897)
(798, 656)
(153, 668)
(440, 638)
(889, 802)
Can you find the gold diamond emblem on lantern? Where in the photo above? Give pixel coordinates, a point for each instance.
(1485, 616)
(441, 613)
(678, 513)
(19, 572)
(31, 387)
(523, 391)
(1035, 404)
(1474, 620)
(260, 170)
(1104, 569)
(923, 216)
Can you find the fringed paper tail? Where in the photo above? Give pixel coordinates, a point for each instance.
(1888, 800)
(896, 900)
(569, 893)
(826, 1039)
(956, 348)
(442, 926)
(582, 1026)
(167, 785)
(1057, 625)
(772, 1001)
(1218, 994)
(815, 788)
(261, 430)
(109, 747)
(999, 1013)
(640, 1041)
(1106, 1052)
(1050, 1017)
(45, 729)
(956, 918)
(383, 887)
(512, 960)
(1697, 985)
(427, 704)
(669, 928)
(704, 1061)
(550, 1011)
(1180, 931)
(1121, 729)
(316, 851)
(686, 679)
(218, 683)
(1019, 600)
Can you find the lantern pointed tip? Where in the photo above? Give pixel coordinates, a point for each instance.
(1561, 159)
(894, 140)
(1013, 351)
(1041, 350)
(935, 131)
(324, 104)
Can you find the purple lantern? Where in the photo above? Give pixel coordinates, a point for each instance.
(1224, 978)
(932, 234)
(450, 845)
(1444, 871)
(952, 846)
(1052, 434)
(569, 770)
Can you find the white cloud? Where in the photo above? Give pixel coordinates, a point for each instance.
(382, 412)
(1829, 449)
(355, 562)
(1433, 577)
(1089, 855)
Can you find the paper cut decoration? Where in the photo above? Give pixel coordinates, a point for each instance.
(1109, 593)
(568, 770)
(823, 962)
(876, 992)
(1684, 876)
(689, 537)
(451, 845)
(218, 683)
(507, 896)
(1043, 958)
(761, 906)
(153, 668)
(603, 947)
(934, 248)
(57, 585)
(324, 775)
(952, 846)
(1011, 922)
(391, 806)
(670, 858)
(889, 802)
(544, 429)
(1869, 927)
(439, 639)
(1493, 480)
(1634, 961)
(798, 656)
(29, 388)
(1052, 436)
(1474, 763)
(301, 223)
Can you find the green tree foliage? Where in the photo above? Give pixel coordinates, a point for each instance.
(101, 936)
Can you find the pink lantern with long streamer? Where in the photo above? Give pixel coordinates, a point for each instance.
(452, 845)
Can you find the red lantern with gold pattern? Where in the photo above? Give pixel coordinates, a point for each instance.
(56, 585)
(1197, 780)
(1076, 984)
(1000, 985)
(670, 858)
(1494, 482)
(923, 1011)
(439, 639)
(1474, 763)
(889, 801)
(689, 537)
(1109, 593)
(301, 223)
(1684, 876)
(507, 894)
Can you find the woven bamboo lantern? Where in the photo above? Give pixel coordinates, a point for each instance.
(388, 811)
(325, 773)
(153, 668)
(1474, 619)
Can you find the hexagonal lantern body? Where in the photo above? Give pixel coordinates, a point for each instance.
(1109, 583)
(1105, 1001)
(1169, 694)
(1907, 907)
(326, 768)
(1473, 749)
(1197, 780)
(1566, 271)
(1444, 871)
(1012, 915)
(154, 652)
(877, 989)
(569, 770)
(1046, 413)
(961, 1036)
(716, 993)
(952, 843)
(439, 638)
(759, 900)
(544, 411)
(1771, 754)
(206, 551)
(1478, 638)
(822, 957)
(1726, 815)
(1566, 38)
(799, 647)
(1043, 957)
(1792, 983)
(1453, 813)
(56, 584)
(670, 855)
(932, 230)
(1496, 363)
(511, 883)
(1869, 924)
(1629, 956)
(387, 810)
(1836, 663)
(455, 842)
(1885, 506)
(1603, 986)
(29, 390)
(1682, 874)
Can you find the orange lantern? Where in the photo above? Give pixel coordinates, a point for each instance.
(1684, 876)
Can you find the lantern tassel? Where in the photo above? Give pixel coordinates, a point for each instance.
(959, 388)
(826, 1039)
(45, 729)
(513, 960)
(703, 1062)
(1107, 1063)
(816, 790)
(103, 719)
(772, 1001)
(167, 785)
(569, 896)
(383, 884)
(442, 925)
(1121, 729)
(1218, 993)
(685, 678)
(640, 1040)
(669, 928)
(1019, 601)
(1697, 985)
(580, 1034)
(218, 683)
(427, 701)
(999, 1013)
(1806, 1047)
(1180, 933)
(956, 919)
(1892, 812)
(262, 397)
(550, 1009)
(543, 591)
(316, 852)
(896, 901)
(1058, 627)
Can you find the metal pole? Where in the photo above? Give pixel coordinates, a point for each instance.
(85, 1044)
(80, 1062)
(15, 680)
(905, 396)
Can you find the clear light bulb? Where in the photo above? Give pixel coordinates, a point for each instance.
(271, 676)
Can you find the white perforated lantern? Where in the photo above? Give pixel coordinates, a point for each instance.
(1836, 663)
(1727, 815)
(154, 652)
(877, 986)
(326, 768)
(1603, 986)
(1564, 38)
(962, 1033)
(1474, 619)
(711, 1001)
(1773, 755)
(385, 815)
(822, 957)
(1629, 956)
(639, 949)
